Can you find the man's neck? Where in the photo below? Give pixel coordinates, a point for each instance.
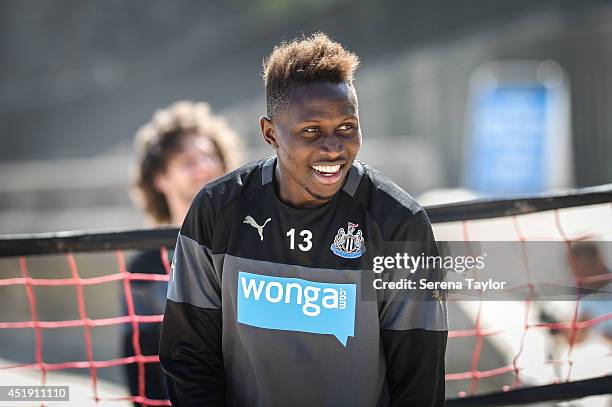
(178, 210)
(291, 193)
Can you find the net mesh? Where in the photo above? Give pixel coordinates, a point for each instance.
(509, 344)
(122, 275)
(526, 342)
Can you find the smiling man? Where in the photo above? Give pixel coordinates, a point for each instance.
(269, 302)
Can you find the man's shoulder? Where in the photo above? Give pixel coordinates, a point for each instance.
(398, 214)
(384, 197)
(220, 192)
(218, 195)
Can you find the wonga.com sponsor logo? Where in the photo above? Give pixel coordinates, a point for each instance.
(293, 304)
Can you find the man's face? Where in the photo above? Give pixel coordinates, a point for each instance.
(193, 165)
(316, 138)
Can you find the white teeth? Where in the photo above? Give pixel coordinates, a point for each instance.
(329, 169)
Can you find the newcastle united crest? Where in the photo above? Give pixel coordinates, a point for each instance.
(349, 244)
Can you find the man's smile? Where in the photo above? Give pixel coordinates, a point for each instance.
(328, 173)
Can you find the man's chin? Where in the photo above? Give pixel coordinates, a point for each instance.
(324, 194)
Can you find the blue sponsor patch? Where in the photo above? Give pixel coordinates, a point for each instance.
(293, 304)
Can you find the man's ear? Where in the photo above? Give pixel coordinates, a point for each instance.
(268, 132)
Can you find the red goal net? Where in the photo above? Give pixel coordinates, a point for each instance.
(66, 299)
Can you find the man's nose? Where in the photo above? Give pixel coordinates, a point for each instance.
(332, 144)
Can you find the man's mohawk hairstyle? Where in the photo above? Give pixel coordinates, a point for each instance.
(309, 59)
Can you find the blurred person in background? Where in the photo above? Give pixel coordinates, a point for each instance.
(180, 150)
(590, 292)
(589, 267)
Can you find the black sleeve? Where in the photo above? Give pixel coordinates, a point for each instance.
(415, 367)
(190, 345)
(190, 353)
(414, 325)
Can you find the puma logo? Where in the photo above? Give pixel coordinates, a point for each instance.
(249, 219)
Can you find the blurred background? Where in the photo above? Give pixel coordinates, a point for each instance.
(78, 78)
(457, 99)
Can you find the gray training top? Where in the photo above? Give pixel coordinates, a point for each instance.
(269, 305)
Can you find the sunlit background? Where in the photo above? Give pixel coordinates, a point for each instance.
(457, 99)
(79, 77)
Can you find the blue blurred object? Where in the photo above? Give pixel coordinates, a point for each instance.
(508, 140)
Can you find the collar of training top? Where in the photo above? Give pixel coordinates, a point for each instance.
(350, 186)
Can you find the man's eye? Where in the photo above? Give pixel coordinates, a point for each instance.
(310, 130)
(346, 127)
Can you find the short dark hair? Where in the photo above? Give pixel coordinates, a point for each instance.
(161, 137)
(309, 59)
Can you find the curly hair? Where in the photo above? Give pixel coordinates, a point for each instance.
(161, 137)
(310, 59)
